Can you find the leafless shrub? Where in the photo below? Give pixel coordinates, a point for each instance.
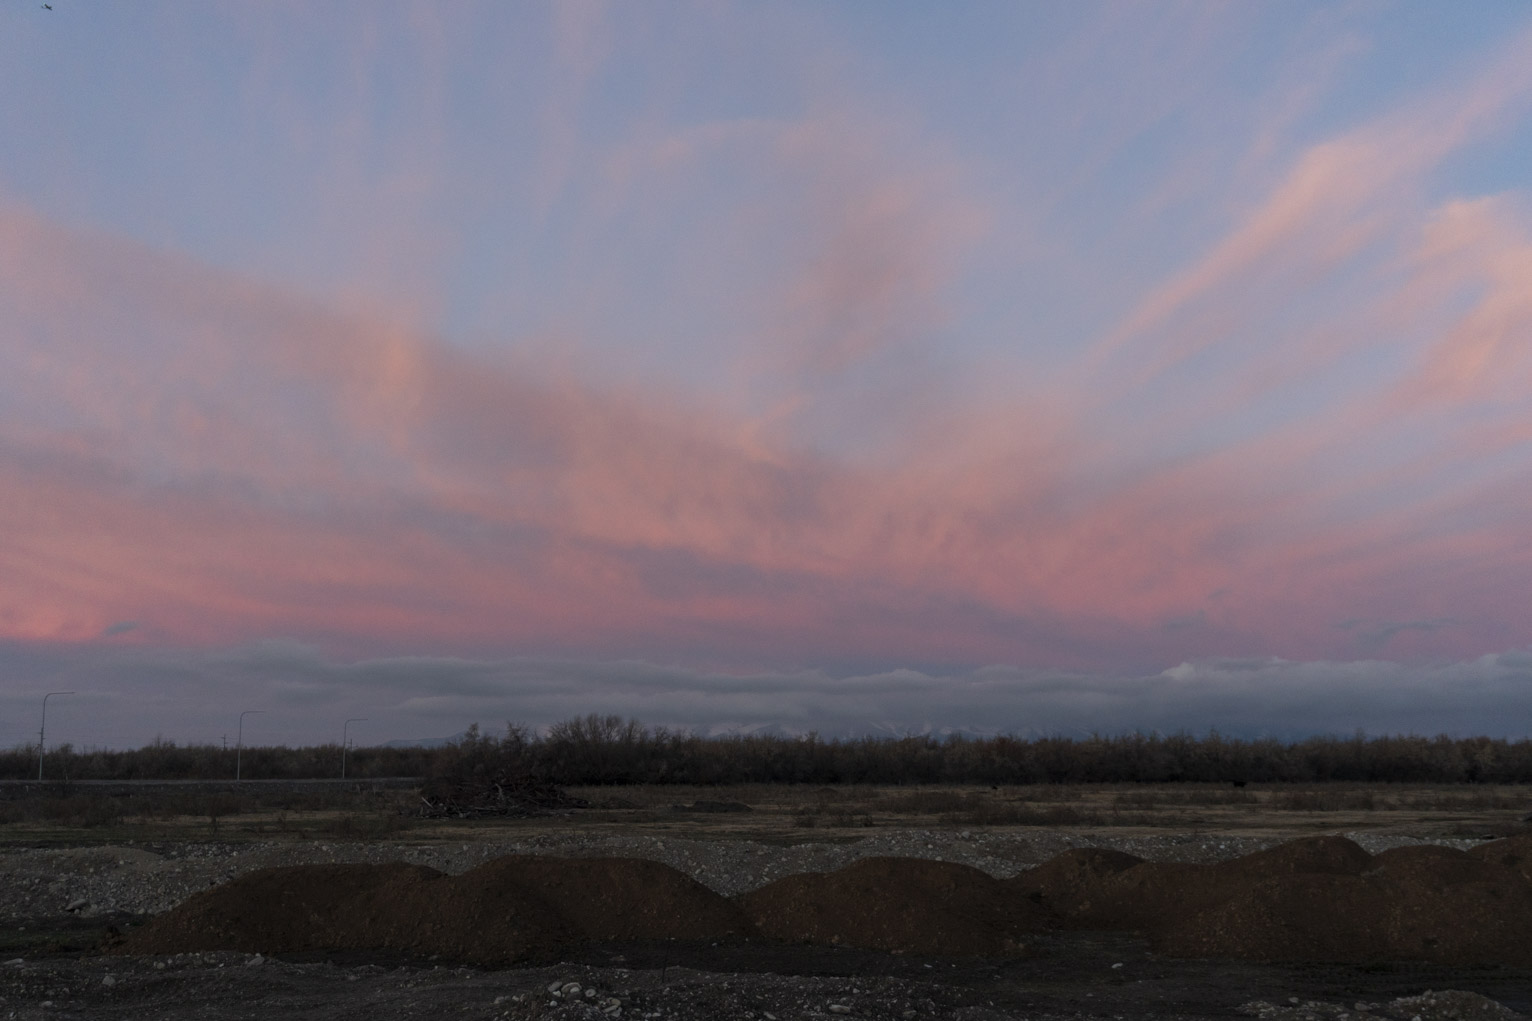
(596, 749)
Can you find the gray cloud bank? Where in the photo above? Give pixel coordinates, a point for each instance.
(127, 697)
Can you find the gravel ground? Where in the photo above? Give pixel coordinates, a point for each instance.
(226, 987)
(56, 903)
(149, 878)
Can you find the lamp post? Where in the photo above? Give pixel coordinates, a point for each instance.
(42, 730)
(354, 719)
(239, 739)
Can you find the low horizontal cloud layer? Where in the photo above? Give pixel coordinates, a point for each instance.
(125, 698)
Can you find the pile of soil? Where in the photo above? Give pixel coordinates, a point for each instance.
(1512, 852)
(305, 907)
(1300, 917)
(1067, 882)
(898, 905)
(513, 909)
(1107, 890)
(461, 918)
(1329, 856)
(613, 899)
(1336, 903)
(1147, 896)
(1315, 899)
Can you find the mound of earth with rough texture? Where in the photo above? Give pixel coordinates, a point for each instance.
(511, 909)
(1067, 882)
(1410, 903)
(1314, 899)
(1150, 895)
(1511, 852)
(898, 905)
(1301, 917)
(303, 907)
(613, 898)
(1115, 893)
(1323, 855)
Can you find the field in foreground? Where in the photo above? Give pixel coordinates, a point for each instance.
(730, 840)
(773, 813)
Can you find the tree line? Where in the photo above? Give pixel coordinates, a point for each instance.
(597, 749)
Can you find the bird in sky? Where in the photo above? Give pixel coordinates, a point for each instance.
(47, 7)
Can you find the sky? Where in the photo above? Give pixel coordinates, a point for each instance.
(1001, 367)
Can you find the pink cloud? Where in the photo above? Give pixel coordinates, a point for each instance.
(1484, 356)
(222, 460)
(221, 510)
(1339, 197)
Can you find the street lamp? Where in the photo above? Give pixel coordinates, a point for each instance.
(354, 719)
(239, 739)
(43, 729)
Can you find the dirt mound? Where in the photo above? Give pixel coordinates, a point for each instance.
(899, 905)
(614, 898)
(1151, 895)
(1305, 856)
(1300, 917)
(1316, 899)
(1511, 852)
(303, 907)
(1069, 880)
(1098, 889)
(511, 909)
(1434, 865)
(1416, 903)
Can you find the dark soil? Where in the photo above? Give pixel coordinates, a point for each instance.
(1066, 883)
(1066, 976)
(1320, 900)
(1410, 903)
(603, 899)
(1314, 930)
(899, 905)
(1305, 856)
(521, 908)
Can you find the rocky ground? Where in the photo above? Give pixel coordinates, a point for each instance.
(56, 905)
(230, 986)
(147, 878)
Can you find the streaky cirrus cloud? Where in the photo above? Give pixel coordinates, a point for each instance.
(253, 464)
(600, 357)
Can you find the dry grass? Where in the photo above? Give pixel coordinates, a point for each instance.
(779, 813)
(68, 817)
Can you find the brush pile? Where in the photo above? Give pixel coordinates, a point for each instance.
(502, 794)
